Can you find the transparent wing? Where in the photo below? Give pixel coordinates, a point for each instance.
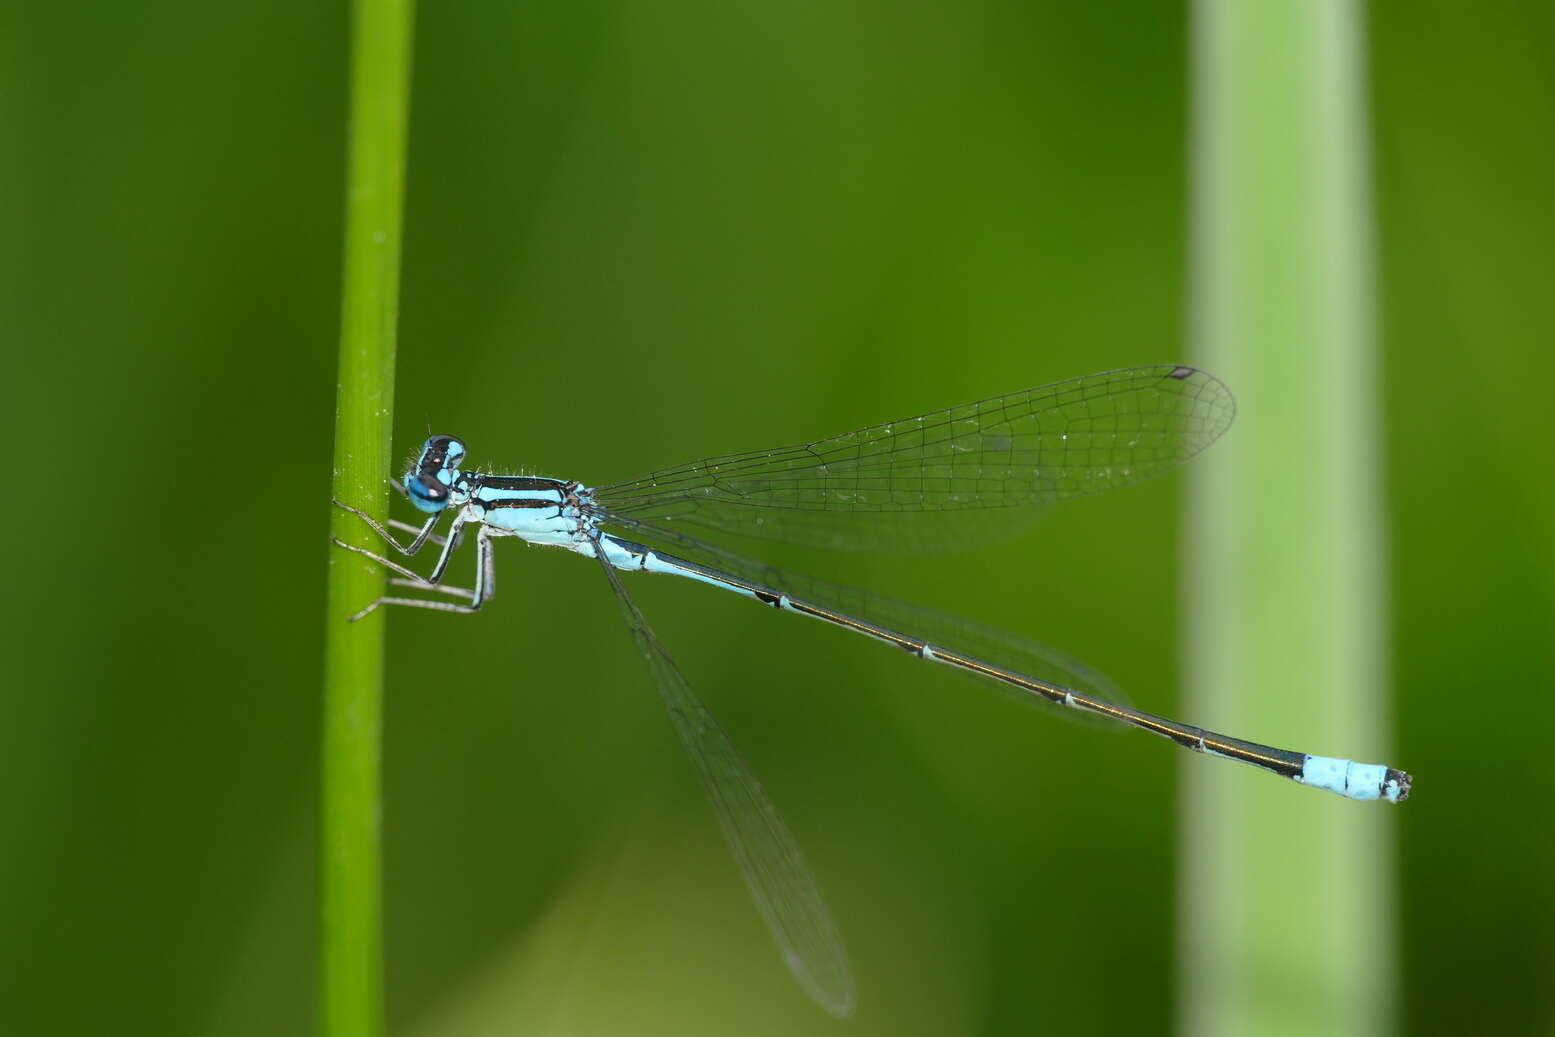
(1025, 449)
(774, 869)
(891, 532)
(1022, 654)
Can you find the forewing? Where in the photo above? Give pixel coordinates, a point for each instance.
(1024, 449)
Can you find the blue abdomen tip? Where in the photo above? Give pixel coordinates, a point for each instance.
(1356, 780)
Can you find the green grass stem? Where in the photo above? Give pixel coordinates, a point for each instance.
(351, 859)
(1286, 924)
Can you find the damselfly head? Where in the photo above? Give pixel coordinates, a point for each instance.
(431, 477)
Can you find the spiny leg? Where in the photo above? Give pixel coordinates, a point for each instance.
(491, 566)
(397, 524)
(419, 603)
(423, 533)
(406, 527)
(483, 565)
(437, 571)
(438, 588)
(410, 574)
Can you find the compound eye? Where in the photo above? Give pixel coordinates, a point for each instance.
(427, 495)
(443, 452)
(434, 472)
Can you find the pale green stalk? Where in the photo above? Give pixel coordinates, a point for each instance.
(351, 864)
(1286, 895)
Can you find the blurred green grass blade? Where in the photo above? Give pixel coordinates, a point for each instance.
(1286, 924)
(351, 895)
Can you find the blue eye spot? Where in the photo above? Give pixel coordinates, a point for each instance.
(426, 495)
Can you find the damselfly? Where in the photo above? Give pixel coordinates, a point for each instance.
(1019, 451)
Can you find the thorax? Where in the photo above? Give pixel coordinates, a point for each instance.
(541, 510)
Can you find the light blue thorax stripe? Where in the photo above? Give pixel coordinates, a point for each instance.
(555, 524)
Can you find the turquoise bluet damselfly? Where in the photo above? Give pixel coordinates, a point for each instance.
(1017, 452)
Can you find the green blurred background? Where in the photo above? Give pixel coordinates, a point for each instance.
(642, 233)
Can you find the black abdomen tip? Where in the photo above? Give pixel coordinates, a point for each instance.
(1402, 780)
